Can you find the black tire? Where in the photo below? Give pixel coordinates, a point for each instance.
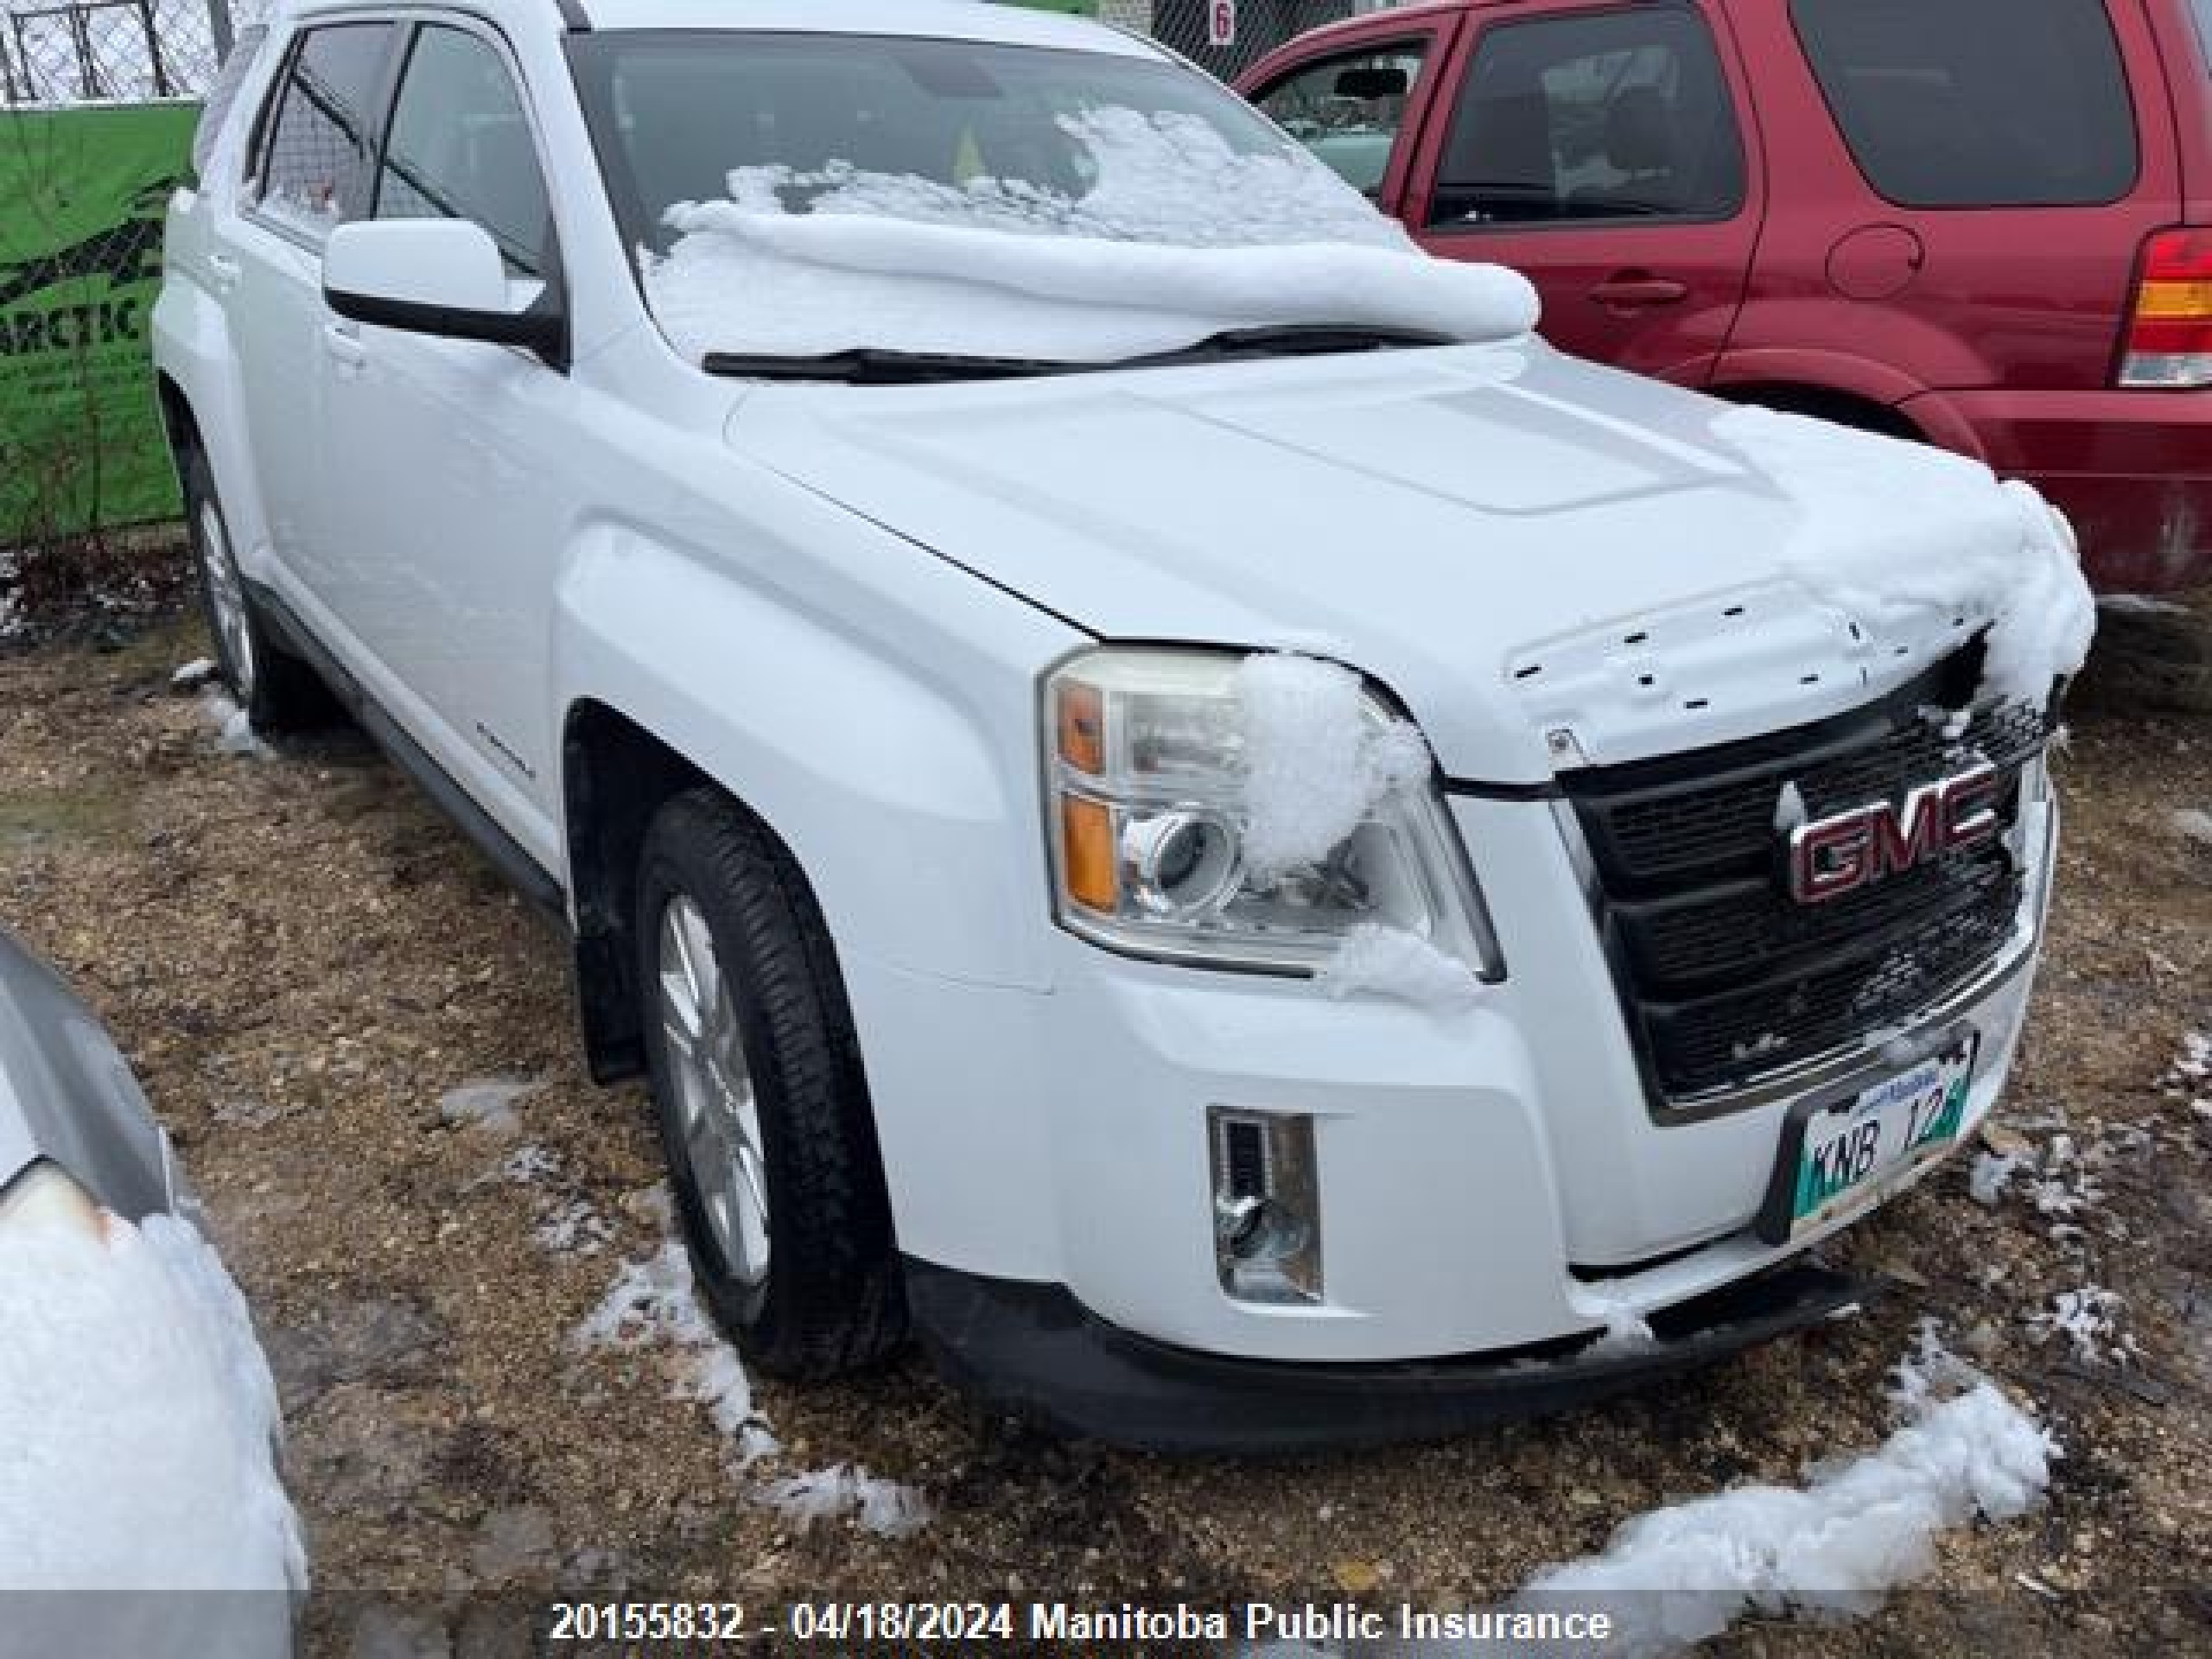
(829, 1297)
(278, 692)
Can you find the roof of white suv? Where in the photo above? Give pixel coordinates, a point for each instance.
(953, 20)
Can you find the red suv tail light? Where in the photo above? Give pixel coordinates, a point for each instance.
(2170, 333)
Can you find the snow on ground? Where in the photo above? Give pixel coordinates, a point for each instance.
(233, 729)
(1179, 237)
(190, 676)
(2192, 823)
(654, 1303)
(1836, 1545)
(568, 1223)
(487, 1104)
(1833, 1548)
(883, 1507)
(139, 1421)
(2089, 1320)
(1936, 535)
(2060, 1180)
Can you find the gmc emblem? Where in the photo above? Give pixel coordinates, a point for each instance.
(1834, 855)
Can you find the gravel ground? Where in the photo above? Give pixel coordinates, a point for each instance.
(303, 960)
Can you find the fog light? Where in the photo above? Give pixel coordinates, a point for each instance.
(1267, 1212)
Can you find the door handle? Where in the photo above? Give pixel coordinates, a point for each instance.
(343, 347)
(222, 272)
(1632, 290)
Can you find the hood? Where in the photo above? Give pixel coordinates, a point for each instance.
(1546, 562)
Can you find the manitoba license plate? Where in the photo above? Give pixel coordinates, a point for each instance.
(1840, 1155)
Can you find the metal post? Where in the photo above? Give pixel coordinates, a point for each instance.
(161, 86)
(80, 37)
(218, 28)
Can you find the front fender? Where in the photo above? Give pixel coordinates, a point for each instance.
(192, 349)
(891, 747)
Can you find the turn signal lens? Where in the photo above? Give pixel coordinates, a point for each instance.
(1087, 850)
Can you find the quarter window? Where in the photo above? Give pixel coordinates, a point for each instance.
(1348, 110)
(1617, 115)
(314, 176)
(460, 148)
(1976, 103)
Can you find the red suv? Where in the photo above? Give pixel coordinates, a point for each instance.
(1983, 223)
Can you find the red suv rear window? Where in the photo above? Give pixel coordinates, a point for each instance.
(1977, 103)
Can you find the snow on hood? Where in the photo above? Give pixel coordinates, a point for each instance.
(1884, 553)
(139, 1420)
(1179, 236)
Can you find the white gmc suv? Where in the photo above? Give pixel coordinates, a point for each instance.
(1161, 790)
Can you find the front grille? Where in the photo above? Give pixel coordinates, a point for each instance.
(1726, 976)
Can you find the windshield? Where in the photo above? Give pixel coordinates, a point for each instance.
(806, 195)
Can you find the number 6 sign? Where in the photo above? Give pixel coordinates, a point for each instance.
(1221, 22)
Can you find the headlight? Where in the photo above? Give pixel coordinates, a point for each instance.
(1246, 812)
(42, 1196)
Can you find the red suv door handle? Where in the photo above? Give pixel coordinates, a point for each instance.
(1631, 290)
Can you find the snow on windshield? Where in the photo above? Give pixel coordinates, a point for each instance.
(1178, 235)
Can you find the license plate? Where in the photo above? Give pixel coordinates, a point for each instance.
(1838, 1155)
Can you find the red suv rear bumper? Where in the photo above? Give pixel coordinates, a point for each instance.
(2132, 470)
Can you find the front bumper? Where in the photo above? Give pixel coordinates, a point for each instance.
(1033, 1350)
(1493, 1182)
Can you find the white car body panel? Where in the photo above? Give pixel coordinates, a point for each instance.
(840, 602)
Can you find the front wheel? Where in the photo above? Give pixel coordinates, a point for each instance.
(277, 691)
(763, 1105)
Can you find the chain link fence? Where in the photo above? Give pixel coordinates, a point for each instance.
(1255, 27)
(63, 52)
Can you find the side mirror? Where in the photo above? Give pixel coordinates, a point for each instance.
(1368, 81)
(442, 277)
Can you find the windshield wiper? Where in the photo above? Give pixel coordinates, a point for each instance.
(1289, 339)
(870, 366)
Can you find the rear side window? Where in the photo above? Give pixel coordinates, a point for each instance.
(314, 172)
(1347, 111)
(2204, 29)
(1977, 103)
(1606, 116)
(223, 96)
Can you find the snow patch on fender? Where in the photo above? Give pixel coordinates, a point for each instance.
(1316, 761)
(1390, 962)
(1179, 237)
(1898, 531)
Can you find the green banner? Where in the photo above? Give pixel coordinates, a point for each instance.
(82, 194)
